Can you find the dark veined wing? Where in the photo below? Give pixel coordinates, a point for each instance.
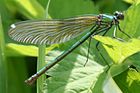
(50, 31)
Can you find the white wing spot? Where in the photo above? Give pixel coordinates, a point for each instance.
(13, 26)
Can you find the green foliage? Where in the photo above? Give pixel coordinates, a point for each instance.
(70, 75)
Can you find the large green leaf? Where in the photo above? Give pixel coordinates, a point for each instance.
(118, 50)
(72, 76)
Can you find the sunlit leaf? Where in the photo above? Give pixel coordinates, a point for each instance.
(118, 50)
(132, 1)
(20, 50)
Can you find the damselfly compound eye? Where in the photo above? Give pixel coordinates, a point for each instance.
(119, 15)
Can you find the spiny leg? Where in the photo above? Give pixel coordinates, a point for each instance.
(123, 31)
(88, 50)
(97, 44)
(103, 24)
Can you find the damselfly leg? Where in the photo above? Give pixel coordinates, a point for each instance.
(88, 50)
(102, 25)
(97, 44)
(123, 31)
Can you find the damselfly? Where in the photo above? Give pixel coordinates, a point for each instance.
(58, 31)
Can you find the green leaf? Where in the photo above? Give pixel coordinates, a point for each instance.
(30, 8)
(98, 87)
(129, 81)
(135, 59)
(28, 50)
(71, 75)
(110, 86)
(110, 6)
(132, 1)
(118, 50)
(132, 60)
(130, 24)
(70, 8)
(43, 3)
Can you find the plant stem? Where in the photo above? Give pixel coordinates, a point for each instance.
(40, 64)
(3, 68)
(41, 59)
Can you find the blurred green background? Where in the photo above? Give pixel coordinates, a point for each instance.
(19, 61)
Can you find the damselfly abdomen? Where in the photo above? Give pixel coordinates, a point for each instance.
(58, 31)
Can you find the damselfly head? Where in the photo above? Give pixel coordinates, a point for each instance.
(119, 15)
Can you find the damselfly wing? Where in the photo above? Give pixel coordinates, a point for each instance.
(50, 31)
